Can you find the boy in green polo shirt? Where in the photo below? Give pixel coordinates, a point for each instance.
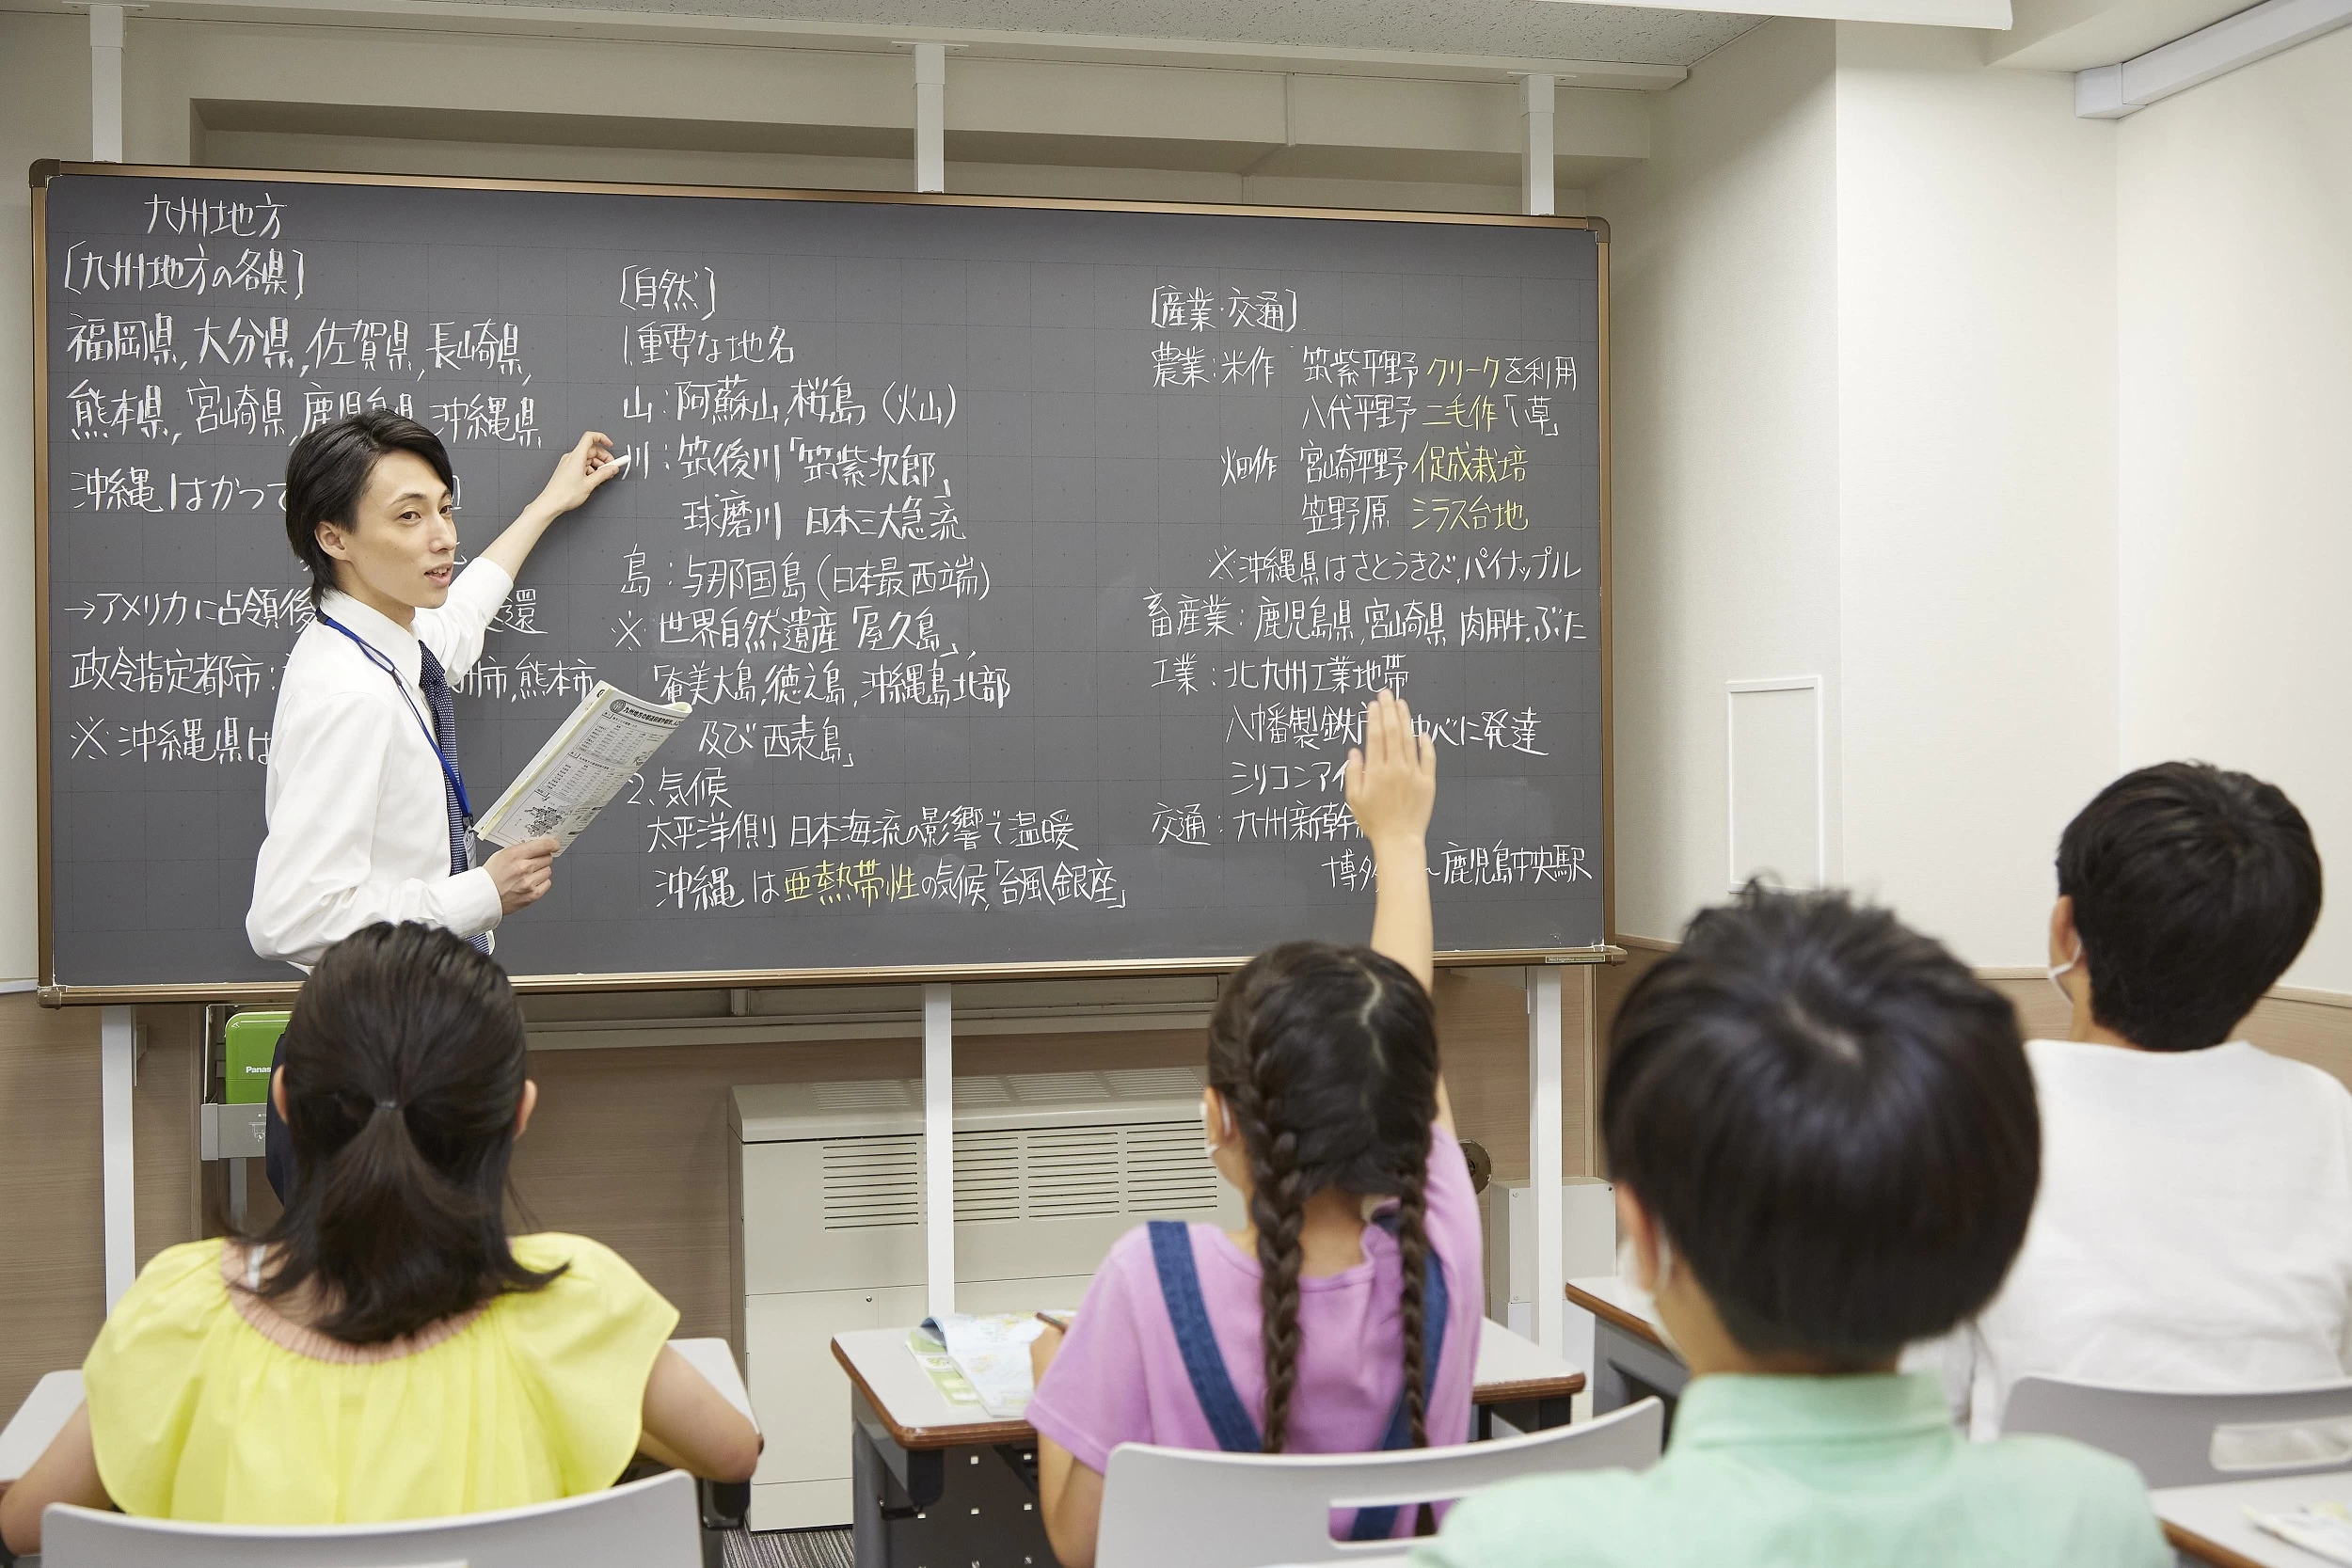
(1824, 1141)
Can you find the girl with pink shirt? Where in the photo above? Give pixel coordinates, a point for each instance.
(1344, 1317)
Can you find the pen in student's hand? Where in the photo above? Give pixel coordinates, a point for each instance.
(1057, 1320)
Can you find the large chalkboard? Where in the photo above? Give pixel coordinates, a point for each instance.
(1028, 564)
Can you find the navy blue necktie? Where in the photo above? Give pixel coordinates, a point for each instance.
(443, 702)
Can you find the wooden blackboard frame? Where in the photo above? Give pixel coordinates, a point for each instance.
(53, 994)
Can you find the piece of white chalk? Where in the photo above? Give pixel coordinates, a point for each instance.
(620, 462)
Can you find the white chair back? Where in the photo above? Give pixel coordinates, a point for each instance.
(2191, 1440)
(1191, 1508)
(646, 1524)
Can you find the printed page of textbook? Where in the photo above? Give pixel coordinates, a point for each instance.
(610, 736)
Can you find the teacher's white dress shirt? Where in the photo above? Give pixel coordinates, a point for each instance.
(358, 820)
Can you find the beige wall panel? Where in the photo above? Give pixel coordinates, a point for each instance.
(2309, 1030)
(164, 1128)
(1481, 1027)
(52, 1276)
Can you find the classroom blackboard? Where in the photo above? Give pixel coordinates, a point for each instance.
(1028, 564)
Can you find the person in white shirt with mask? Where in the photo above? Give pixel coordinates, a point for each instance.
(368, 812)
(2194, 1228)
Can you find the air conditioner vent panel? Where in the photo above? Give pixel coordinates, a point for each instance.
(870, 1182)
(1009, 1175)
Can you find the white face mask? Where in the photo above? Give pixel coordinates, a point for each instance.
(1629, 1263)
(1208, 1129)
(2057, 970)
(1630, 1260)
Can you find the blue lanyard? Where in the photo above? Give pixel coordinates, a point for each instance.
(378, 658)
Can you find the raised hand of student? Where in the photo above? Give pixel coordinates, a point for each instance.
(1391, 785)
(1392, 777)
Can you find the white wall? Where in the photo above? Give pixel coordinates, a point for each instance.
(2234, 217)
(1864, 361)
(1724, 399)
(44, 112)
(1976, 268)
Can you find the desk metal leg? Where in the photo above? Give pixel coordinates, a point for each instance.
(1627, 1367)
(941, 1508)
(1524, 1416)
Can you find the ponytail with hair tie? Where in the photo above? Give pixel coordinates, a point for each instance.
(400, 1218)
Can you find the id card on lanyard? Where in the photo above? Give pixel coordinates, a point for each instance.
(376, 656)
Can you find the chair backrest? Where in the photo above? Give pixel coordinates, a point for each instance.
(646, 1524)
(1192, 1508)
(2179, 1439)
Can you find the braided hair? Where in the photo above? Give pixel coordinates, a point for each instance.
(1328, 1057)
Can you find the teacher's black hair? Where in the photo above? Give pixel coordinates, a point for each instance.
(327, 472)
(2194, 888)
(404, 1063)
(1831, 1120)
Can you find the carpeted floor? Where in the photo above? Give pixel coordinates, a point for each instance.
(789, 1548)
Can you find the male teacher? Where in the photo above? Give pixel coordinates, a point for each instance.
(368, 813)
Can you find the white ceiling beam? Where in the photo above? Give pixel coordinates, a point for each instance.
(2113, 91)
(1923, 13)
(781, 32)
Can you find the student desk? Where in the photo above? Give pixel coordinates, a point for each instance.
(1631, 1360)
(922, 1474)
(2208, 1524)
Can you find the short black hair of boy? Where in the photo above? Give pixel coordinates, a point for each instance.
(1831, 1120)
(327, 472)
(2194, 888)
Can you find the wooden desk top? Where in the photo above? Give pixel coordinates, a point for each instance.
(1604, 1295)
(1510, 1369)
(2209, 1523)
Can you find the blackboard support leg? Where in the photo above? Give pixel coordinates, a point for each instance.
(118, 1074)
(938, 1148)
(1544, 1168)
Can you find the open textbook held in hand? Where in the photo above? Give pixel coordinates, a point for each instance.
(610, 736)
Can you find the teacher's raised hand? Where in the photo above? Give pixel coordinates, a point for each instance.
(580, 473)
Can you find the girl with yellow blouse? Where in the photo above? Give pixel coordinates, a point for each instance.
(385, 1350)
